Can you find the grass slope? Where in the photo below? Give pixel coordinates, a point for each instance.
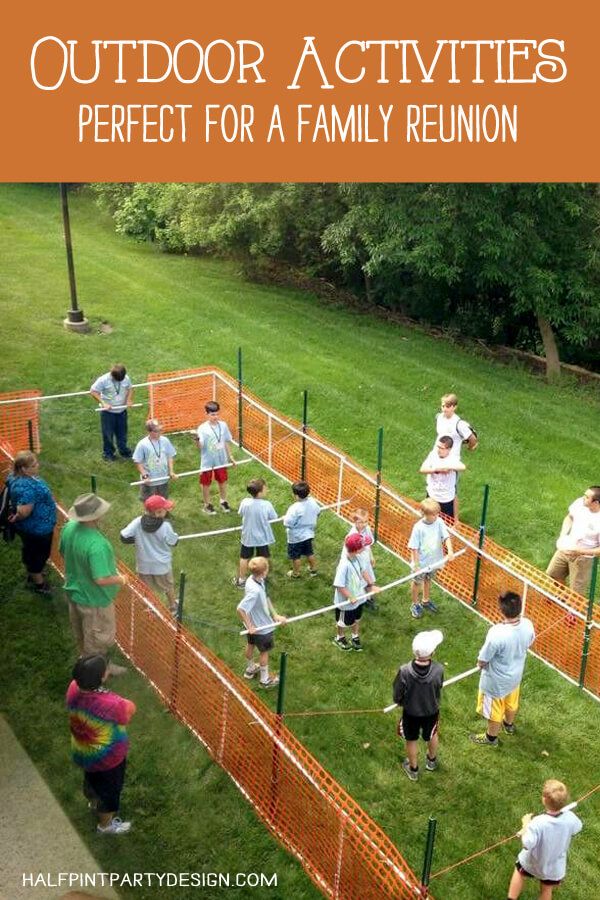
(176, 312)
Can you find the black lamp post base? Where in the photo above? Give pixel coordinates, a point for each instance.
(76, 321)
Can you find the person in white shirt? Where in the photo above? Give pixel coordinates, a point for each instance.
(502, 662)
(154, 456)
(578, 542)
(114, 392)
(441, 467)
(546, 839)
(448, 422)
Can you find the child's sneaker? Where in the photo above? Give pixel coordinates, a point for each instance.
(209, 509)
(292, 574)
(508, 728)
(115, 826)
(251, 671)
(483, 740)
(271, 682)
(431, 764)
(225, 507)
(430, 607)
(356, 644)
(341, 643)
(312, 573)
(238, 582)
(416, 611)
(414, 776)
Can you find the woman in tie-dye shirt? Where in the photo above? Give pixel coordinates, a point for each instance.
(99, 742)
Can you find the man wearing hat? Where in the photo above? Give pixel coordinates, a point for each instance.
(91, 578)
(417, 689)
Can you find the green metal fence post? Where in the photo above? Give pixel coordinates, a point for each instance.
(482, 526)
(304, 430)
(281, 687)
(93, 484)
(588, 623)
(428, 857)
(240, 417)
(180, 598)
(378, 483)
(30, 435)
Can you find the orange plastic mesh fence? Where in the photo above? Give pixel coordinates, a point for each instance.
(179, 404)
(14, 419)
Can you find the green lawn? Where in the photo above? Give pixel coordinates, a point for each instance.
(537, 453)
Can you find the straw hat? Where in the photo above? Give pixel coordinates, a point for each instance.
(88, 508)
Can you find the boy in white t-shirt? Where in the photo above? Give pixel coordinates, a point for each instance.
(426, 544)
(441, 467)
(300, 522)
(215, 443)
(257, 535)
(154, 456)
(360, 520)
(546, 838)
(578, 542)
(259, 617)
(154, 539)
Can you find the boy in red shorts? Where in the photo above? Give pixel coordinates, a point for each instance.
(215, 443)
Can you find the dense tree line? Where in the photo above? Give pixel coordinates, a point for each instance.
(517, 264)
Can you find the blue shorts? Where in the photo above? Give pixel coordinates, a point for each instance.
(302, 548)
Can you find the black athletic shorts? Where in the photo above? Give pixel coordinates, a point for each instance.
(349, 616)
(262, 642)
(249, 552)
(105, 787)
(410, 727)
(302, 548)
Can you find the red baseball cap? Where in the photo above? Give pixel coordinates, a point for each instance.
(354, 543)
(157, 502)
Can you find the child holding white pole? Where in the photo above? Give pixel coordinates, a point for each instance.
(426, 545)
(360, 519)
(256, 611)
(349, 584)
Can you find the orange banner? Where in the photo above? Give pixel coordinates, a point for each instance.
(326, 91)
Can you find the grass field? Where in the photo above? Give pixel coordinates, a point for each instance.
(538, 451)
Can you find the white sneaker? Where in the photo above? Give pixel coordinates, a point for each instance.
(251, 671)
(115, 670)
(115, 826)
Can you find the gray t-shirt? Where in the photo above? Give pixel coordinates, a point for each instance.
(301, 520)
(256, 605)
(348, 575)
(155, 456)
(153, 549)
(112, 391)
(505, 651)
(428, 539)
(211, 441)
(546, 841)
(257, 514)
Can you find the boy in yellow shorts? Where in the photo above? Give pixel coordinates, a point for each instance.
(502, 661)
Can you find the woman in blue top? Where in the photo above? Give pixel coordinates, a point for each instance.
(34, 518)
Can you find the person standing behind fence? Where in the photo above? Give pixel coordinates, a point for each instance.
(578, 542)
(99, 742)
(215, 443)
(418, 690)
(448, 422)
(34, 518)
(257, 534)
(154, 456)
(300, 521)
(441, 467)
(256, 610)
(91, 578)
(546, 839)
(154, 539)
(502, 661)
(114, 392)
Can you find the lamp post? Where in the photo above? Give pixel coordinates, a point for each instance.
(75, 320)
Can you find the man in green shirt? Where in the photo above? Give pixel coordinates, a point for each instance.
(91, 578)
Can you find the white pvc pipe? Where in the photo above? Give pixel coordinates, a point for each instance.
(121, 406)
(239, 462)
(316, 612)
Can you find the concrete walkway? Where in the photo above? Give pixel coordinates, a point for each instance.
(36, 837)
